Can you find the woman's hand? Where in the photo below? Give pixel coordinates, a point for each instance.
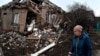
(69, 53)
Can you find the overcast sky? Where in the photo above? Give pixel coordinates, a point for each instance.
(93, 4)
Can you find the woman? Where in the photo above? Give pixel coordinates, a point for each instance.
(81, 44)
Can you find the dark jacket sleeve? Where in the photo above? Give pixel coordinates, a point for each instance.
(89, 46)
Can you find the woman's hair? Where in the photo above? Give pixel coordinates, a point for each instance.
(78, 27)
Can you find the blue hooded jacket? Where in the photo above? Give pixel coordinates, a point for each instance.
(81, 46)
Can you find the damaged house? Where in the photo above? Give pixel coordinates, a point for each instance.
(23, 15)
(34, 21)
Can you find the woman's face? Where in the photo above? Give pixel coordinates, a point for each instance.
(77, 33)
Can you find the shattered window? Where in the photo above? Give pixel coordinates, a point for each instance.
(16, 18)
(47, 17)
(4, 13)
(36, 1)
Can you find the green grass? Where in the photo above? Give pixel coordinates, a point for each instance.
(98, 33)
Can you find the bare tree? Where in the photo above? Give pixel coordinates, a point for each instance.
(81, 15)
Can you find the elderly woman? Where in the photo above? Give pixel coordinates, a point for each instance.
(81, 44)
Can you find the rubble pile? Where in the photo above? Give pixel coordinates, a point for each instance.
(13, 42)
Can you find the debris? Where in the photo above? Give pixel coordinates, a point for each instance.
(44, 49)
